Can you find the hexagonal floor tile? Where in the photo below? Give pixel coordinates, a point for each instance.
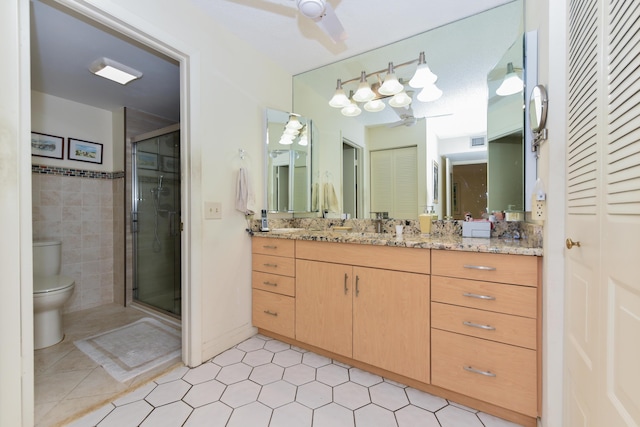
(277, 394)
(255, 415)
(130, 414)
(293, 414)
(314, 394)
(332, 375)
(452, 416)
(299, 374)
(229, 357)
(332, 415)
(276, 346)
(375, 416)
(258, 357)
(168, 393)
(251, 344)
(315, 360)
(388, 396)
(213, 415)
(425, 400)
(173, 414)
(241, 393)
(411, 416)
(351, 395)
(364, 378)
(287, 358)
(234, 373)
(266, 374)
(204, 372)
(204, 393)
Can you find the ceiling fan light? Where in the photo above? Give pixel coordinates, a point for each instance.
(400, 100)
(311, 8)
(351, 110)
(429, 93)
(391, 85)
(374, 106)
(364, 92)
(511, 84)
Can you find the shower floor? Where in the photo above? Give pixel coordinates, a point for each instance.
(69, 383)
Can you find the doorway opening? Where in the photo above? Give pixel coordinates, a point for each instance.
(352, 203)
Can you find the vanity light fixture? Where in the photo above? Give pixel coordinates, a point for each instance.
(304, 140)
(511, 84)
(286, 139)
(391, 87)
(293, 122)
(112, 70)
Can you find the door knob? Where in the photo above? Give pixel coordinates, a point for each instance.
(571, 243)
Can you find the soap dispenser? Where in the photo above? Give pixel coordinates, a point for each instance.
(425, 221)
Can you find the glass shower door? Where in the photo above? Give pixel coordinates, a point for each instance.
(155, 220)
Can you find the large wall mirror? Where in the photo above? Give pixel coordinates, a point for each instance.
(289, 144)
(437, 150)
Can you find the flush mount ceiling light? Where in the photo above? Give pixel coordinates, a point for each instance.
(112, 70)
(423, 77)
(511, 84)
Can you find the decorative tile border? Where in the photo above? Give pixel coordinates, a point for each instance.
(52, 170)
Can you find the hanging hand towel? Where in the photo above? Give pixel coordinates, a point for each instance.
(245, 199)
(315, 198)
(330, 198)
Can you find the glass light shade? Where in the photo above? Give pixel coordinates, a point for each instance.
(511, 84)
(374, 106)
(286, 139)
(429, 93)
(400, 100)
(422, 77)
(364, 92)
(303, 140)
(293, 123)
(290, 131)
(339, 99)
(351, 110)
(391, 85)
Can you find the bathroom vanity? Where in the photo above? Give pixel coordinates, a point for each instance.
(458, 318)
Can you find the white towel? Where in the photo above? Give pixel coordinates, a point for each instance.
(245, 199)
(330, 198)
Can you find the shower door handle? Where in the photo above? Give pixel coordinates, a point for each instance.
(134, 222)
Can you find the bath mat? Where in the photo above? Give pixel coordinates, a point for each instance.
(130, 350)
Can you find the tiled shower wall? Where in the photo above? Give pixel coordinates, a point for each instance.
(86, 213)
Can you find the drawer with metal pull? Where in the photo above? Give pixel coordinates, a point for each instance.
(273, 264)
(271, 246)
(274, 312)
(284, 285)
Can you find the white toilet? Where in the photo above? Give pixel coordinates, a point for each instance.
(50, 292)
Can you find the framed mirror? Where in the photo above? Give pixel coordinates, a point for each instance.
(451, 130)
(288, 161)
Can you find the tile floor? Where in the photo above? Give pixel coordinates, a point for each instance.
(67, 382)
(264, 382)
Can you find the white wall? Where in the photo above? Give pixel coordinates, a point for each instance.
(68, 119)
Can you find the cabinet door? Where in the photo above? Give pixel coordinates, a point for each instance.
(391, 321)
(323, 305)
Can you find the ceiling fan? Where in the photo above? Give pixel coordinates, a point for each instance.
(319, 11)
(407, 117)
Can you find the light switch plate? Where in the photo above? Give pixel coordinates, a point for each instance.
(212, 210)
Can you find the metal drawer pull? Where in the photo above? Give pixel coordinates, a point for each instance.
(470, 295)
(270, 313)
(477, 325)
(271, 265)
(269, 283)
(346, 288)
(270, 247)
(479, 267)
(478, 371)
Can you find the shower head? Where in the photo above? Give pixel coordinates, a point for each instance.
(160, 182)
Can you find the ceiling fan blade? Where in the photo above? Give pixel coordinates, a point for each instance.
(330, 24)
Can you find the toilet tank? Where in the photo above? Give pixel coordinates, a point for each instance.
(46, 257)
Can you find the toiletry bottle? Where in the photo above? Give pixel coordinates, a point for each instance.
(264, 225)
(425, 221)
(434, 215)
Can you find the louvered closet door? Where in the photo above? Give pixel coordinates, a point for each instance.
(602, 327)
(394, 182)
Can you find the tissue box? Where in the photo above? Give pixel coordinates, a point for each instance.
(476, 229)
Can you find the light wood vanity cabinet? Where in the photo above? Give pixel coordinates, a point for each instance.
(273, 282)
(485, 323)
(373, 315)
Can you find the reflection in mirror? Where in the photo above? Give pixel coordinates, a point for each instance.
(461, 54)
(289, 141)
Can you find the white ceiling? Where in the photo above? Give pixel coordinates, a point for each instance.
(64, 44)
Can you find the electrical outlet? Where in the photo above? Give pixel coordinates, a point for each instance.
(539, 211)
(213, 210)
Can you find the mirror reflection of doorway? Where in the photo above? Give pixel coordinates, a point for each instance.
(351, 197)
(156, 221)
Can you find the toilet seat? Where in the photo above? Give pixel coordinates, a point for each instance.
(46, 284)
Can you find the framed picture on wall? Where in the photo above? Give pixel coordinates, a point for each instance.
(146, 160)
(43, 145)
(435, 182)
(84, 151)
(170, 164)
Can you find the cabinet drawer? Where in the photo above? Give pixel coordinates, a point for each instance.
(504, 375)
(515, 269)
(514, 330)
(508, 299)
(284, 285)
(269, 246)
(412, 260)
(273, 312)
(274, 264)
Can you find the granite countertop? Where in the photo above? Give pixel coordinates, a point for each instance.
(500, 245)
